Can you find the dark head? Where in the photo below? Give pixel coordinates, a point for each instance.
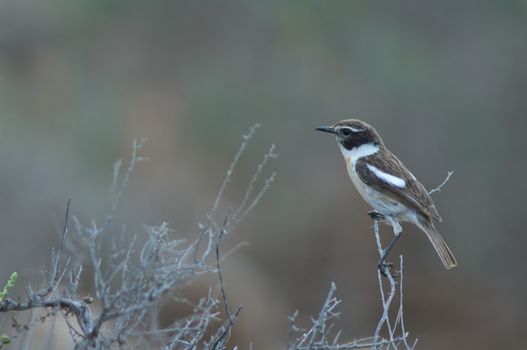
(351, 133)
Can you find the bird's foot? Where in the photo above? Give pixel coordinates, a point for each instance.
(375, 215)
(386, 270)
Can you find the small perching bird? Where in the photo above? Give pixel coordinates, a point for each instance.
(385, 183)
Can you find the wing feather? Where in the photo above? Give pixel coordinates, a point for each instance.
(413, 194)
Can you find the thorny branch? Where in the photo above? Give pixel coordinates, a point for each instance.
(132, 273)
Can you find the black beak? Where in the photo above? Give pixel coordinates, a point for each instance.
(329, 129)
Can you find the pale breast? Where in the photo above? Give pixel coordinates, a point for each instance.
(359, 185)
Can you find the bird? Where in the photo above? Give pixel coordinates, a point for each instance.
(388, 186)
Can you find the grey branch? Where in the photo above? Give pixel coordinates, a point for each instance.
(132, 273)
(438, 188)
(394, 338)
(389, 333)
(323, 336)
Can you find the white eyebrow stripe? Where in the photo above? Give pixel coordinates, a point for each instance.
(392, 180)
(351, 128)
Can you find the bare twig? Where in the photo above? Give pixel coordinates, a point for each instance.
(228, 175)
(131, 276)
(117, 190)
(223, 334)
(395, 338)
(386, 301)
(438, 188)
(321, 335)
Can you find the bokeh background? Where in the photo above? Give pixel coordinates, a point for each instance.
(444, 82)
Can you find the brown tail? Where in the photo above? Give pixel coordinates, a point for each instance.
(445, 254)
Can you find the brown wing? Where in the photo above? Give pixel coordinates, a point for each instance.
(413, 194)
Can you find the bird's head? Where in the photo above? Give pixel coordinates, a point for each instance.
(353, 133)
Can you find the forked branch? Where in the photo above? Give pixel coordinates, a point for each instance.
(132, 273)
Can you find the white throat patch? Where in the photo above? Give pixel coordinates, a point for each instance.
(357, 153)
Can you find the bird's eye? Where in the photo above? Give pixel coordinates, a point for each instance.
(346, 131)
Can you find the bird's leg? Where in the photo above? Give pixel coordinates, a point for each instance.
(384, 267)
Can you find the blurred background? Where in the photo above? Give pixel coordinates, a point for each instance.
(444, 83)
